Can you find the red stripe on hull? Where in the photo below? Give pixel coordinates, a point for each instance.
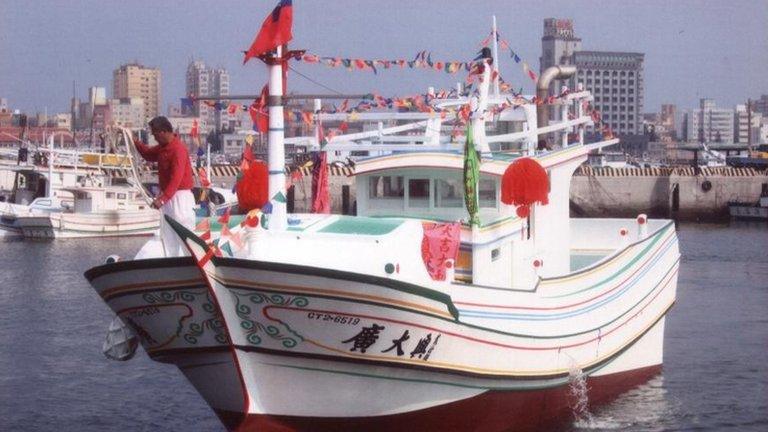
(537, 410)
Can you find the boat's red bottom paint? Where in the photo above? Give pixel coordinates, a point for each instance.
(539, 410)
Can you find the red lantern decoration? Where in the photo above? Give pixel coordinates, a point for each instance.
(525, 182)
(253, 187)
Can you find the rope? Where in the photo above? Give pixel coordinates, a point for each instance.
(130, 150)
(313, 81)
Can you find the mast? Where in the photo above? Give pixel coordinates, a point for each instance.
(749, 127)
(276, 140)
(208, 160)
(48, 186)
(495, 59)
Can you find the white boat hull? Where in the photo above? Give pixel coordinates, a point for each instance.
(271, 345)
(76, 225)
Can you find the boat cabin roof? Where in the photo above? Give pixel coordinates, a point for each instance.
(452, 160)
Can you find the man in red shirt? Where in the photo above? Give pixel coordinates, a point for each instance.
(174, 172)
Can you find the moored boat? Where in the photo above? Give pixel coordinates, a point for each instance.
(441, 306)
(96, 212)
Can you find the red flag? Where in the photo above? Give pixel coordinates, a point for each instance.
(321, 202)
(195, 131)
(275, 31)
(258, 111)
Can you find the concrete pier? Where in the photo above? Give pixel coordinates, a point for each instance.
(679, 193)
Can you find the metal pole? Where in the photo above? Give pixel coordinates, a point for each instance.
(49, 189)
(208, 160)
(276, 136)
(318, 105)
(495, 58)
(749, 126)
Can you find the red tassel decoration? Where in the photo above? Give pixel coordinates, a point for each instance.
(253, 187)
(525, 182)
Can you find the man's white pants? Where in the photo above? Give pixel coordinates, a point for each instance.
(180, 207)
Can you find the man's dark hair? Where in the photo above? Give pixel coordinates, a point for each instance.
(160, 124)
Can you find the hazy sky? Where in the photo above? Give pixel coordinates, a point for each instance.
(693, 49)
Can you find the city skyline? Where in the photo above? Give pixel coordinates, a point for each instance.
(690, 47)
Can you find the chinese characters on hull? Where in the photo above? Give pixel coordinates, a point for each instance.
(369, 336)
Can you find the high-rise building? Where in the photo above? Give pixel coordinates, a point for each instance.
(203, 81)
(102, 117)
(616, 81)
(3, 105)
(746, 127)
(761, 105)
(84, 110)
(614, 78)
(558, 45)
(97, 95)
(219, 79)
(136, 81)
(669, 116)
(128, 112)
(709, 124)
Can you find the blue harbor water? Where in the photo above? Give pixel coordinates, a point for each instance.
(53, 376)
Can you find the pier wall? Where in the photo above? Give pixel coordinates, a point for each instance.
(680, 194)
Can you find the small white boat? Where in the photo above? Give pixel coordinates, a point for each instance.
(96, 212)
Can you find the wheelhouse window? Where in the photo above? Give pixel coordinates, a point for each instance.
(418, 193)
(382, 187)
(487, 192)
(449, 193)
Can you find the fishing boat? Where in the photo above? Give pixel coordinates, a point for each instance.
(38, 191)
(95, 212)
(438, 307)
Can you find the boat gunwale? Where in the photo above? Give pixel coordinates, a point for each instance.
(602, 262)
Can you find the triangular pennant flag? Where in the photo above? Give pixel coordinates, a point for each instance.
(206, 236)
(235, 238)
(224, 219)
(203, 225)
(279, 197)
(227, 248)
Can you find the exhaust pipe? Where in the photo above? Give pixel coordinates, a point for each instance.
(542, 90)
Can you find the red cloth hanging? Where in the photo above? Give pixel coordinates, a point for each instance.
(525, 182)
(321, 201)
(439, 244)
(253, 187)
